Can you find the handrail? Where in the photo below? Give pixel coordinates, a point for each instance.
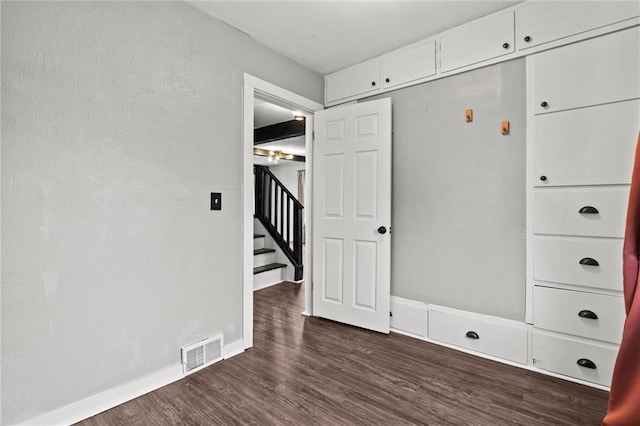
(271, 196)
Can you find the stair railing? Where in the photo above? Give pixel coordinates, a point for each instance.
(281, 214)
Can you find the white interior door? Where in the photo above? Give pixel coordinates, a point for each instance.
(352, 214)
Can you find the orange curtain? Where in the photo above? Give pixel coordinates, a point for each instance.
(624, 399)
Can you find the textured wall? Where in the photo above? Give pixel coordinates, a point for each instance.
(118, 120)
(459, 192)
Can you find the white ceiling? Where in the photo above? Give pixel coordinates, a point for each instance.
(266, 113)
(327, 35)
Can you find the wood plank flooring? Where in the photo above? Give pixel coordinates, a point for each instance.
(309, 371)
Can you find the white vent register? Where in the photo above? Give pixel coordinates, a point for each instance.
(201, 354)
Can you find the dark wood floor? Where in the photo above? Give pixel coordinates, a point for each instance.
(310, 371)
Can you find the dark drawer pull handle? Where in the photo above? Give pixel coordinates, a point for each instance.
(588, 315)
(373, 83)
(527, 39)
(505, 45)
(388, 80)
(586, 363)
(472, 335)
(588, 210)
(544, 104)
(589, 261)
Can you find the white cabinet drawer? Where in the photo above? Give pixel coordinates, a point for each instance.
(588, 262)
(489, 338)
(410, 64)
(542, 22)
(478, 41)
(595, 316)
(587, 146)
(558, 211)
(563, 356)
(592, 72)
(357, 80)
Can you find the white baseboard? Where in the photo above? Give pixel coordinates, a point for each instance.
(232, 349)
(110, 398)
(115, 396)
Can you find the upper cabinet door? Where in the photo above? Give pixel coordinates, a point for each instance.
(592, 72)
(542, 22)
(358, 80)
(478, 41)
(410, 64)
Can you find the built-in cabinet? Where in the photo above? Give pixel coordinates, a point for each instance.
(583, 103)
(585, 114)
(521, 30)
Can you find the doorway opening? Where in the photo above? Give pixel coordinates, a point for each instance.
(257, 91)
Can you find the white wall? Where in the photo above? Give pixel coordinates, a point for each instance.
(458, 201)
(287, 173)
(118, 121)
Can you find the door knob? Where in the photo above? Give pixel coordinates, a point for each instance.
(527, 39)
(373, 83)
(388, 80)
(505, 45)
(382, 230)
(544, 104)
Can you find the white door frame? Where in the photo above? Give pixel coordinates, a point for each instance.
(254, 86)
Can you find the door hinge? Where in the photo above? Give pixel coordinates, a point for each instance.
(313, 135)
(390, 313)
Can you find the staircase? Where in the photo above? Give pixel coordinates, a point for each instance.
(279, 214)
(266, 271)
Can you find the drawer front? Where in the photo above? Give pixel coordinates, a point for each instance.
(592, 72)
(587, 262)
(492, 339)
(560, 310)
(587, 146)
(561, 356)
(558, 212)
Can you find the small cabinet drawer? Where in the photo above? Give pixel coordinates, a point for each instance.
(595, 316)
(590, 362)
(478, 41)
(474, 334)
(586, 146)
(357, 80)
(543, 22)
(592, 212)
(587, 262)
(592, 72)
(409, 64)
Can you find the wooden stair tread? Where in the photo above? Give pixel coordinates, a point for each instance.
(268, 267)
(263, 251)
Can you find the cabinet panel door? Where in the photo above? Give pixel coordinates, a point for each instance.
(588, 262)
(354, 81)
(418, 61)
(561, 355)
(478, 41)
(587, 146)
(592, 72)
(559, 310)
(542, 22)
(570, 212)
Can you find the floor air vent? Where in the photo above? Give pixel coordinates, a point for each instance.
(202, 353)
